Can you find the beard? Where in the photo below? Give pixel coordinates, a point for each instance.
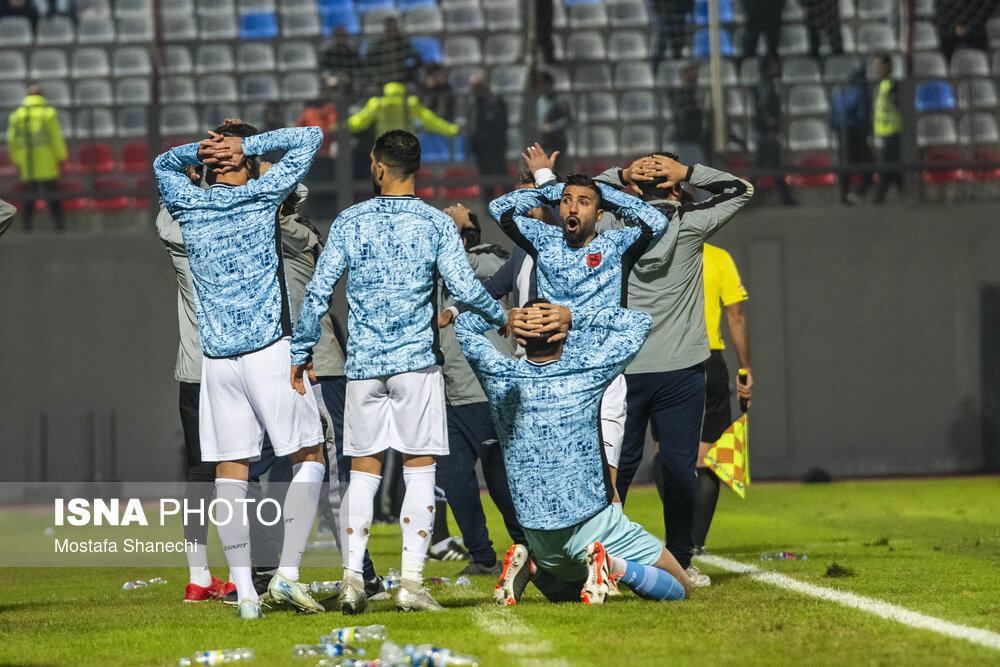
(575, 237)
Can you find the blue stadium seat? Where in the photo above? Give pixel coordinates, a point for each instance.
(572, 3)
(259, 25)
(433, 148)
(701, 12)
(458, 148)
(933, 96)
(407, 5)
(365, 6)
(702, 48)
(348, 19)
(429, 48)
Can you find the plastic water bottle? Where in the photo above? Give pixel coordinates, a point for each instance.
(392, 579)
(325, 587)
(356, 633)
(326, 650)
(424, 655)
(437, 581)
(157, 581)
(218, 657)
(463, 581)
(782, 555)
(350, 662)
(132, 585)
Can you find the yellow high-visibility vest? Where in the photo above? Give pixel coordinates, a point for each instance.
(887, 121)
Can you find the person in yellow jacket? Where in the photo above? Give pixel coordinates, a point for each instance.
(36, 146)
(395, 110)
(888, 126)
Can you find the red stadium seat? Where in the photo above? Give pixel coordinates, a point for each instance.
(135, 158)
(72, 204)
(988, 174)
(940, 166)
(813, 179)
(107, 204)
(589, 168)
(7, 168)
(467, 187)
(425, 187)
(94, 159)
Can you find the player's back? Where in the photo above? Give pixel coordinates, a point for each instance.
(391, 248)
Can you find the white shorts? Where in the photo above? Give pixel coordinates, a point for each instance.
(613, 409)
(242, 397)
(404, 412)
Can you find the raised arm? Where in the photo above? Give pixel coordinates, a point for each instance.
(643, 220)
(169, 168)
(509, 209)
(7, 212)
(430, 120)
(624, 333)
(300, 145)
(459, 277)
(731, 194)
(364, 118)
(331, 264)
(484, 358)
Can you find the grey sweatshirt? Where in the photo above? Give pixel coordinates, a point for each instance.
(7, 212)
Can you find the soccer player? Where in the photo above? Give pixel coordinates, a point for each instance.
(546, 409)
(232, 240)
(578, 267)
(393, 246)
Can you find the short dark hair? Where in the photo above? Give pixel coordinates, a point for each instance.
(400, 150)
(474, 236)
(546, 77)
(242, 130)
(540, 346)
(525, 177)
(884, 57)
(649, 189)
(582, 181)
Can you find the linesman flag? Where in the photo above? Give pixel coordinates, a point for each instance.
(729, 458)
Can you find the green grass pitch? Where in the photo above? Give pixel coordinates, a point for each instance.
(932, 546)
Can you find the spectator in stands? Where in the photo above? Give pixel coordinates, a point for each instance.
(962, 23)
(7, 212)
(436, 92)
(395, 110)
(36, 145)
(543, 30)
(670, 26)
(888, 126)
(692, 132)
(23, 8)
(67, 8)
(767, 127)
(823, 16)
(392, 57)
(487, 134)
(321, 175)
(763, 17)
(341, 63)
(553, 116)
(851, 120)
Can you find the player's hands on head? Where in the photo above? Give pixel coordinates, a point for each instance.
(661, 166)
(445, 319)
(540, 319)
(460, 214)
(536, 158)
(297, 372)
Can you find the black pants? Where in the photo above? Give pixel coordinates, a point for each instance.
(471, 436)
(543, 29)
(675, 401)
(823, 16)
(763, 18)
(890, 173)
(857, 159)
(47, 191)
(670, 26)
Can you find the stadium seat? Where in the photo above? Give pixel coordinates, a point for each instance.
(429, 49)
(109, 204)
(54, 31)
(433, 148)
(57, 92)
(702, 43)
(458, 148)
(934, 96)
(941, 166)
(459, 183)
(373, 23)
(48, 63)
(811, 179)
(979, 93)
(12, 94)
(969, 62)
(132, 122)
(623, 45)
(94, 123)
(599, 108)
(627, 14)
(179, 121)
(130, 8)
(94, 158)
(592, 77)
(70, 204)
(213, 114)
(929, 66)
(133, 91)
(218, 88)
(410, 5)
(296, 56)
(95, 31)
(423, 21)
(464, 19)
(505, 16)
(978, 129)
(16, 31)
(633, 75)
(252, 6)
(213, 58)
(587, 16)
(585, 45)
(936, 130)
(216, 7)
(701, 12)
(590, 167)
(217, 27)
(424, 185)
(634, 140)
(177, 8)
(13, 66)
(89, 92)
(255, 57)
(134, 29)
(808, 134)
(330, 6)
(984, 156)
(874, 9)
(461, 50)
(925, 36)
(794, 40)
(259, 25)
(90, 61)
(505, 79)
(599, 141)
(131, 61)
(837, 68)
(727, 74)
(993, 32)
(637, 105)
(873, 38)
(365, 6)
(179, 28)
(309, 26)
(808, 100)
(749, 72)
(799, 69)
(300, 86)
(502, 49)
(257, 88)
(458, 77)
(177, 90)
(177, 60)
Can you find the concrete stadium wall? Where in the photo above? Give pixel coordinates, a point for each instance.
(864, 324)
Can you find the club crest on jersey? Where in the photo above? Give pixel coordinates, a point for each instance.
(593, 259)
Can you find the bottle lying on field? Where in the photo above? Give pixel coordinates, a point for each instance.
(356, 633)
(782, 555)
(325, 650)
(424, 655)
(325, 587)
(218, 657)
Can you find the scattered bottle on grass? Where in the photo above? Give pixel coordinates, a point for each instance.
(326, 651)
(132, 585)
(437, 581)
(218, 657)
(424, 655)
(356, 633)
(157, 581)
(782, 555)
(350, 662)
(463, 581)
(325, 587)
(392, 579)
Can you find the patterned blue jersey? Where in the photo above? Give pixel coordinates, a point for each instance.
(233, 242)
(595, 276)
(393, 249)
(547, 416)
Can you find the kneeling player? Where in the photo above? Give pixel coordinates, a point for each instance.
(546, 410)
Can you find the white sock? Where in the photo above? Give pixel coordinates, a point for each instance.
(299, 512)
(356, 518)
(235, 536)
(416, 518)
(616, 565)
(199, 575)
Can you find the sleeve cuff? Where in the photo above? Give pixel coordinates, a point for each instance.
(544, 176)
(687, 177)
(453, 310)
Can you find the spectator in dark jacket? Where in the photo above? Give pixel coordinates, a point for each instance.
(23, 8)
(436, 93)
(763, 18)
(962, 23)
(553, 116)
(487, 134)
(823, 16)
(767, 127)
(341, 62)
(670, 26)
(392, 57)
(851, 120)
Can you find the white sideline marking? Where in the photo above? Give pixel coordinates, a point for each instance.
(500, 622)
(878, 607)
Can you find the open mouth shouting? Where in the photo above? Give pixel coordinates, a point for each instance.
(572, 224)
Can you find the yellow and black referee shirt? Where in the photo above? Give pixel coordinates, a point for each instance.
(723, 287)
